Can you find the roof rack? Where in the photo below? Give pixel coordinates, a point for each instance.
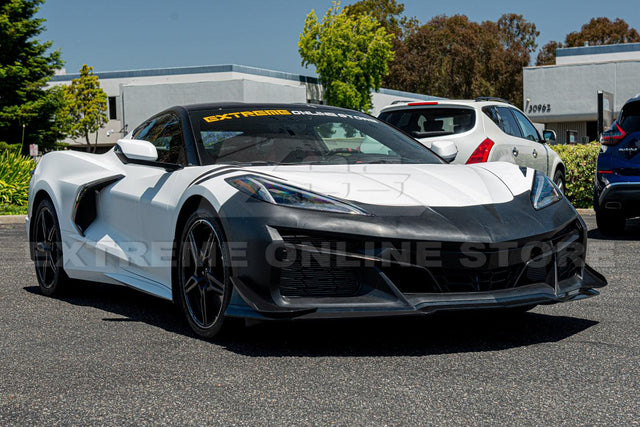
(492, 98)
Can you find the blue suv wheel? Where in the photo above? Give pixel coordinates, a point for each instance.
(616, 194)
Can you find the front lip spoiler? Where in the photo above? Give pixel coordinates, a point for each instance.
(572, 289)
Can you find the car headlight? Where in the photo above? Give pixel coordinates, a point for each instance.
(543, 191)
(278, 193)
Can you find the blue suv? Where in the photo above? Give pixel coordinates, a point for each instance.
(616, 194)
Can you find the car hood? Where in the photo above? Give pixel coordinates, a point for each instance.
(441, 185)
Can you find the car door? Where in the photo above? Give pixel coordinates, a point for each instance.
(536, 156)
(520, 149)
(508, 140)
(140, 206)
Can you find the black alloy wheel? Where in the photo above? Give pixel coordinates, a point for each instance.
(203, 274)
(47, 244)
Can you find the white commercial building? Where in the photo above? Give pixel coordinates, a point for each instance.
(565, 96)
(135, 95)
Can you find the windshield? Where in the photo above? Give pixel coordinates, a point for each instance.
(432, 121)
(301, 136)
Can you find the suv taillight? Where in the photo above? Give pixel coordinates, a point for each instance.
(481, 154)
(613, 135)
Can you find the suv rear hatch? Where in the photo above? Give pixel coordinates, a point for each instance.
(626, 153)
(431, 121)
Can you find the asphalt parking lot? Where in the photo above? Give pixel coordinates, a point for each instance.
(109, 355)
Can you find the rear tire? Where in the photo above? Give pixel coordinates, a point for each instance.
(204, 286)
(47, 248)
(610, 222)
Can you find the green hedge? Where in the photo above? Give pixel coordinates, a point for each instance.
(580, 163)
(4, 146)
(15, 174)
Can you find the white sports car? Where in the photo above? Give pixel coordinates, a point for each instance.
(301, 211)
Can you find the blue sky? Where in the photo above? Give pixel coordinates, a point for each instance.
(135, 34)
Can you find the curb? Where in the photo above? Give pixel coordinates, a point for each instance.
(12, 219)
(583, 212)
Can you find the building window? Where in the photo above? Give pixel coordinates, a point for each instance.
(112, 108)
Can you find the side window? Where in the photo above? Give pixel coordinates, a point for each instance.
(507, 122)
(529, 131)
(138, 130)
(492, 113)
(165, 132)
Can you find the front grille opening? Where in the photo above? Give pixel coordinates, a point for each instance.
(568, 270)
(324, 277)
(317, 277)
(539, 270)
(477, 280)
(411, 280)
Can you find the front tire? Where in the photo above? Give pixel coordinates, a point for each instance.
(47, 245)
(204, 288)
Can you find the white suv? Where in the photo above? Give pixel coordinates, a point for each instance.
(484, 130)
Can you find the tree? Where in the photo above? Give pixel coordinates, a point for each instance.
(453, 57)
(386, 12)
(601, 31)
(547, 55)
(517, 41)
(596, 32)
(350, 53)
(26, 65)
(86, 106)
(389, 14)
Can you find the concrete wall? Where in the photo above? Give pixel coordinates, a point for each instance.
(571, 90)
(142, 101)
(594, 54)
(142, 93)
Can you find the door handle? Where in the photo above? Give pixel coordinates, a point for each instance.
(535, 153)
(515, 152)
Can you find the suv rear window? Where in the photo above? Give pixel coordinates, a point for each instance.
(432, 121)
(630, 117)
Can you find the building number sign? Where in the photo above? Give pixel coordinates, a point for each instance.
(538, 108)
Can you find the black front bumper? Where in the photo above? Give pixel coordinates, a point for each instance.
(308, 265)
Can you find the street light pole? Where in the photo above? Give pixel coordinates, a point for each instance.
(23, 135)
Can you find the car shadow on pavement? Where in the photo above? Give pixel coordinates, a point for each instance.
(407, 336)
(631, 232)
(453, 332)
(125, 305)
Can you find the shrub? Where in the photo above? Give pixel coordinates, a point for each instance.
(15, 174)
(12, 147)
(580, 163)
(12, 210)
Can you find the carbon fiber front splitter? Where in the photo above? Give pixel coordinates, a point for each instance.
(252, 306)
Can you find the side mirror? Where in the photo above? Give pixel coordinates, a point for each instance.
(549, 136)
(445, 149)
(137, 149)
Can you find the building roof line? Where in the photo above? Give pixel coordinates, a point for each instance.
(594, 50)
(580, 64)
(202, 69)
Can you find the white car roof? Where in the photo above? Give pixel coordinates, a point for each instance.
(455, 102)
